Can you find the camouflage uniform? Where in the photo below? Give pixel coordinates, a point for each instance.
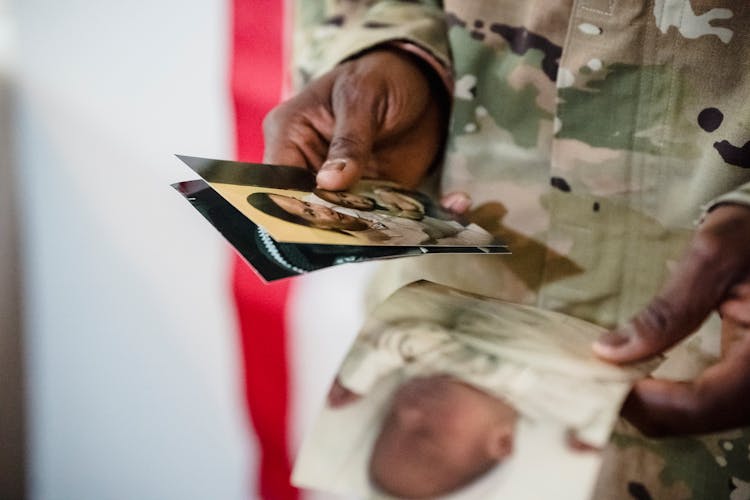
(591, 134)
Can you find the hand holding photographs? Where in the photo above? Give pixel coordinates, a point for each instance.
(283, 225)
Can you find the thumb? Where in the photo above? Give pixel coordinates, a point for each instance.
(716, 261)
(350, 149)
(693, 290)
(652, 331)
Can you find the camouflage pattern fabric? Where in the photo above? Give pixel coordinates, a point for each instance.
(591, 135)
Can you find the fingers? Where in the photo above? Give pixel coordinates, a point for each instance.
(284, 154)
(735, 317)
(737, 305)
(713, 274)
(656, 328)
(715, 261)
(690, 295)
(661, 407)
(292, 139)
(382, 97)
(715, 401)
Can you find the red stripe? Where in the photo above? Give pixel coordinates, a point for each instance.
(256, 79)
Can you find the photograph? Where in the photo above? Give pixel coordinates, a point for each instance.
(285, 202)
(444, 394)
(273, 260)
(250, 174)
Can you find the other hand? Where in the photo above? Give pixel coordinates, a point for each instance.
(377, 115)
(713, 275)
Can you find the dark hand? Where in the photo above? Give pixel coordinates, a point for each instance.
(377, 115)
(713, 275)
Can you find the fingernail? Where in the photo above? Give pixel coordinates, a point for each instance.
(334, 165)
(613, 339)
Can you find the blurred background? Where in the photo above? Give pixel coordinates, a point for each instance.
(127, 332)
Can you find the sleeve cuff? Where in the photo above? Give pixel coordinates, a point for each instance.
(416, 28)
(443, 72)
(740, 196)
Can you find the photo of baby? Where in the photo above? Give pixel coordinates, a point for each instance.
(444, 395)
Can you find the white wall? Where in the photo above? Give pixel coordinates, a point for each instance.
(132, 357)
(12, 459)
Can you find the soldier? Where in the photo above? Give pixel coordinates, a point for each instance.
(593, 133)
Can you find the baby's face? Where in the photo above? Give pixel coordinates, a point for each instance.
(439, 435)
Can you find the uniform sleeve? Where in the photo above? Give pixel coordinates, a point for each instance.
(327, 33)
(740, 196)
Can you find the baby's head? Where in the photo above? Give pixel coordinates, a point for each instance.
(439, 435)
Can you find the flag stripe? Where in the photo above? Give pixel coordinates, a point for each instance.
(256, 84)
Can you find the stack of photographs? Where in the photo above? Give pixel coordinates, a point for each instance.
(277, 219)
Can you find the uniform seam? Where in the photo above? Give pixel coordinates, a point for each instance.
(567, 42)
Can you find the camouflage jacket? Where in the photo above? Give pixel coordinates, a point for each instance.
(591, 135)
